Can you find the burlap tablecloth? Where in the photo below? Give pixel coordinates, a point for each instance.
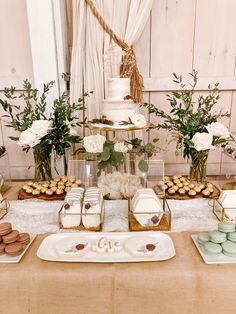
(184, 284)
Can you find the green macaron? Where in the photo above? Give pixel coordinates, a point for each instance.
(226, 226)
(232, 236)
(212, 248)
(229, 248)
(217, 236)
(203, 237)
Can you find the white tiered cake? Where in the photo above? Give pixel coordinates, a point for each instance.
(119, 106)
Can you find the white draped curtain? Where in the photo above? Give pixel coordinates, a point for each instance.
(95, 56)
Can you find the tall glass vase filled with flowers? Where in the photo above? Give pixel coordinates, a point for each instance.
(193, 124)
(46, 128)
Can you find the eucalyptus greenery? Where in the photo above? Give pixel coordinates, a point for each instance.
(186, 116)
(62, 114)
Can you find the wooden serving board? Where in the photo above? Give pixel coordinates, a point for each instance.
(22, 195)
(177, 196)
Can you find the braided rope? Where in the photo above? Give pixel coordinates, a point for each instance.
(128, 66)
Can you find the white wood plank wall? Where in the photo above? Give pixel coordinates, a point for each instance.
(182, 35)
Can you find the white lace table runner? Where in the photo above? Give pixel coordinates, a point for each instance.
(41, 217)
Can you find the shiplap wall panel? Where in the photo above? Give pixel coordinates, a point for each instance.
(172, 30)
(186, 35)
(215, 41)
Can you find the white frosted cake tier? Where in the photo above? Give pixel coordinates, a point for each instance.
(117, 88)
(118, 111)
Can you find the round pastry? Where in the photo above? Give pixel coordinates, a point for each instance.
(35, 192)
(226, 226)
(72, 179)
(64, 180)
(79, 182)
(209, 185)
(212, 248)
(57, 179)
(10, 237)
(67, 189)
(60, 183)
(211, 190)
(217, 236)
(43, 190)
(54, 188)
(35, 185)
(49, 192)
(197, 189)
(229, 248)
(182, 179)
(186, 183)
(175, 178)
(192, 193)
(171, 191)
(59, 191)
(178, 176)
(176, 181)
(25, 187)
(24, 238)
(202, 186)
(175, 187)
(29, 191)
(187, 188)
(203, 237)
(45, 185)
(191, 185)
(14, 249)
(52, 184)
(180, 185)
(5, 228)
(30, 183)
(170, 184)
(70, 184)
(232, 236)
(206, 193)
(182, 191)
(2, 248)
(166, 178)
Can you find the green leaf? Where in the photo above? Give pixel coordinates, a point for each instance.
(106, 153)
(143, 166)
(13, 138)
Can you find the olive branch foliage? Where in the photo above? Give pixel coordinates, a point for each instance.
(186, 116)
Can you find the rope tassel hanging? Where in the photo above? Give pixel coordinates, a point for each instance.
(128, 66)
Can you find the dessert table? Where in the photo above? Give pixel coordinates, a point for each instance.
(183, 284)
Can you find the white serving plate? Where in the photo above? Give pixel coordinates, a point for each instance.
(208, 259)
(165, 249)
(15, 259)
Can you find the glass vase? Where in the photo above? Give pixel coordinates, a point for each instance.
(198, 166)
(43, 171)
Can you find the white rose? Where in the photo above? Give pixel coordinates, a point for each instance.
(41, 127)
(130, 146)
(218, 129)
(139, 120)
(28, 138)
(120, 147)
(202, 141)
(94, 143)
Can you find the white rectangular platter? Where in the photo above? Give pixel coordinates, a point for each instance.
(208, 259)
(15, 259)
(165, 247)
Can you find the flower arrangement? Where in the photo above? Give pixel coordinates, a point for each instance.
(193, 125)
(112, 153)
(45, 128)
